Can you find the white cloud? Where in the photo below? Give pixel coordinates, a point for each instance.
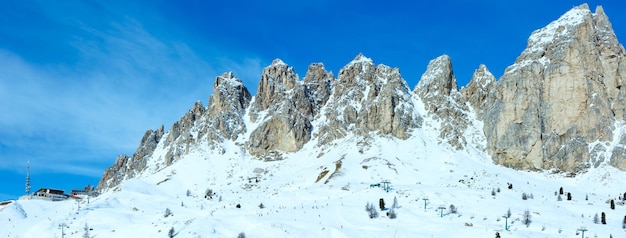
(79, 113)
(126, 82)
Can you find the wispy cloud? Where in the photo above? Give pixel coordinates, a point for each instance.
(126, 81)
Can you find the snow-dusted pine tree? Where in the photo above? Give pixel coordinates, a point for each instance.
(371, 210)
(395, 203)
(167, 212)
(171, 233)
(392, 213)
(527, 218)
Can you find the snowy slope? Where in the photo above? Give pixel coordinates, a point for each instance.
(334, 206)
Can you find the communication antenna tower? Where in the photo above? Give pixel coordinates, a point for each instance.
(28, 177)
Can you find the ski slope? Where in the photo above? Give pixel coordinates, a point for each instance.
(295, 205)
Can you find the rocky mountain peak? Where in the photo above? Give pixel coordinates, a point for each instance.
(563, 92)
(229, 91)
(438, 90)
(477, 91)
(360, 58)
(549, 42)
(317, 82)
(277, 62)
(366, 98)
(360, 68)
(283, 108)
(276, 80)
(438, 78)
(227, 106)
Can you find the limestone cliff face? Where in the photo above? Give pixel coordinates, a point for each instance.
(283, 110)
(563, 92)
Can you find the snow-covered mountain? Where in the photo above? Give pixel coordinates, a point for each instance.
(302, 158)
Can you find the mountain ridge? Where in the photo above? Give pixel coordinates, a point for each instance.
(371, 100)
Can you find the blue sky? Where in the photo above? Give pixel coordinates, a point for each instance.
(81, 81)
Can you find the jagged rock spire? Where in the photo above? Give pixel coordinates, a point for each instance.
(438, 79)
(477, 91)
(369, 98)
(286, 122)
(438, 91)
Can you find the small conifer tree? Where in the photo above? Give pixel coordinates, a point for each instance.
(371, 210)
(524, 196)
(527, 218)
(596, 220)
(171, 233)
(395, 203)
(612, 204)
(603, 218)
(561, 190)
(167, 213)
(569, 196)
